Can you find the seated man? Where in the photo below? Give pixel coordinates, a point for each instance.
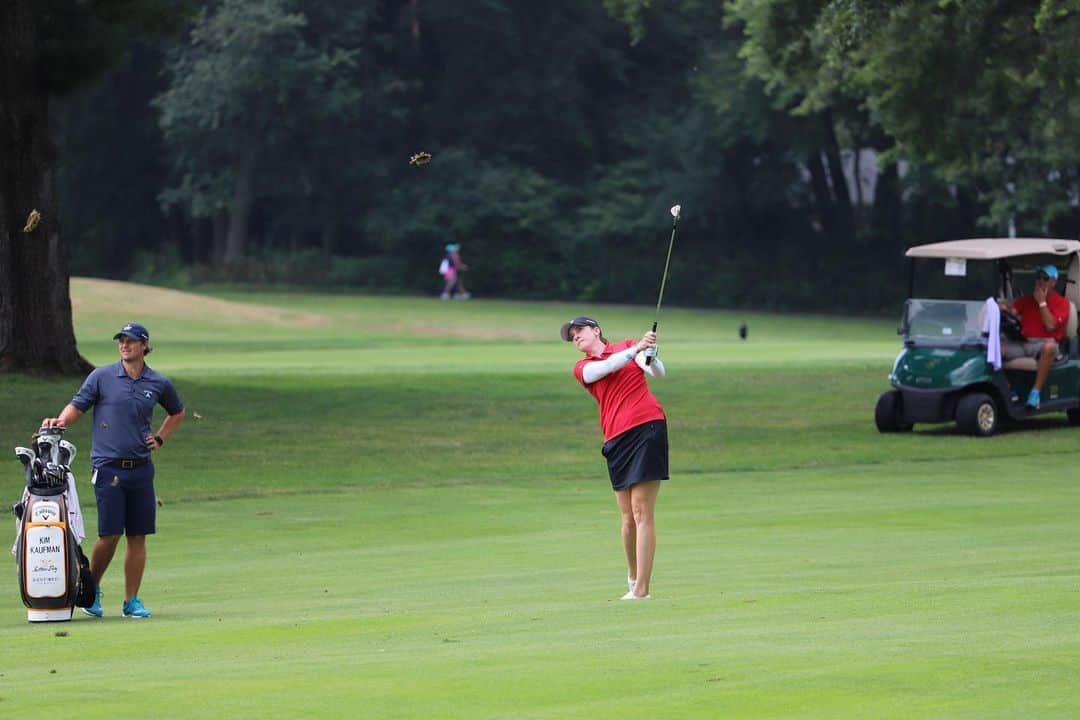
(1042, 316)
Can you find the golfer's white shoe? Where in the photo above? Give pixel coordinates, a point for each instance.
(631, 596)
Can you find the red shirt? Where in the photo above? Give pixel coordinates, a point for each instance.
(624, 396)
(1031, 324)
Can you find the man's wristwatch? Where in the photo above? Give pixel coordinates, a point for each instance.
(1042, 304)
(160, 442)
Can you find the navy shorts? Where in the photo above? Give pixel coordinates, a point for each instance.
(126, 502)
(638, 455)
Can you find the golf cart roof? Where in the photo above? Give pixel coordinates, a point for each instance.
(994, 248)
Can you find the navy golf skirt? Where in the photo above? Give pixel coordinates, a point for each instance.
(638, 455)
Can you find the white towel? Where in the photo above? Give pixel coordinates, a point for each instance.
(992, 328)
(75, 519)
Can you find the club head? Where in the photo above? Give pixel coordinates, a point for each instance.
(37, 471)
(25, 455)
(55, 474)
(45, 446)
(67, 452)
(675, 211)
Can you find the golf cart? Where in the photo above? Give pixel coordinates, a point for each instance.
(944, 372)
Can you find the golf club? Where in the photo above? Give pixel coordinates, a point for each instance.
(25, 455)
(55, 475)
(47, 443)
(44, 447)
(67, 453)
(37, 472)
(650, 353)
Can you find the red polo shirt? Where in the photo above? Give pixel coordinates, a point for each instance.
(1031, 324)
(624, 396)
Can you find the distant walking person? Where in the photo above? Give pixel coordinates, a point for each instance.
(123, 396)
(635, 436)
(451, 268)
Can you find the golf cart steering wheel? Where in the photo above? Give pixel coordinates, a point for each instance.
(1010, 327)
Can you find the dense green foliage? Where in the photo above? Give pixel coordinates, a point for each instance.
(980, 94)
(807, 142)
(358, 523)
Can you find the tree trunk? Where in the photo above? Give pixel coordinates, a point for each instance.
(845, 219)
(36, 331)
(886, 217)
(823, 202)
(240, 208)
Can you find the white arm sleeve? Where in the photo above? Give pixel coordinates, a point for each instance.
(599, 368)
(655, 370)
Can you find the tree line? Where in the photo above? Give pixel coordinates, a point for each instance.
(268, 141)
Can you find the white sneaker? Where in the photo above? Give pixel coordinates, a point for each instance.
(631, 596)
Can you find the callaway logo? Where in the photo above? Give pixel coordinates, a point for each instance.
(45, 513)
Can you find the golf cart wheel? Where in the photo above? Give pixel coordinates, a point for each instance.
(889, 413)
(1074, 416)
(977, 414)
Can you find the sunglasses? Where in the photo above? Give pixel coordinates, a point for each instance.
(1042, 276)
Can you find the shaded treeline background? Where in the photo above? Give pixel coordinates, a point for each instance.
(808, 142)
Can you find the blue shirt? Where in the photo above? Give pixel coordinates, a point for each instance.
(123, 409)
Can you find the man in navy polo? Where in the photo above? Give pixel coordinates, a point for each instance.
(123, 396)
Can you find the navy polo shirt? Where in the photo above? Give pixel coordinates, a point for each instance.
(123, 409)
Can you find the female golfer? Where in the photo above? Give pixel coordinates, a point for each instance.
(635, 436)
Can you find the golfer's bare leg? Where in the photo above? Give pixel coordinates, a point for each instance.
(643, 505)
(102, 555)
(629, 532)
(134, 564)
(1046, 359)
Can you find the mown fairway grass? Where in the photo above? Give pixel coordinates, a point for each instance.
(396, 508)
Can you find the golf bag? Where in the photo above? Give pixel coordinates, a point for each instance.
(54, 574)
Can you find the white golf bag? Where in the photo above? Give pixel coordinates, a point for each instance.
(54, 574)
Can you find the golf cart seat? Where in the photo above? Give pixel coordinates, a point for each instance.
(1066, 347)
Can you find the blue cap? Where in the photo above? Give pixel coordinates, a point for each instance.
(452, 247)
(1049, 270)
(135, 331)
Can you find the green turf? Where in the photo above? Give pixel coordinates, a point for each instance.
(396, 508)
